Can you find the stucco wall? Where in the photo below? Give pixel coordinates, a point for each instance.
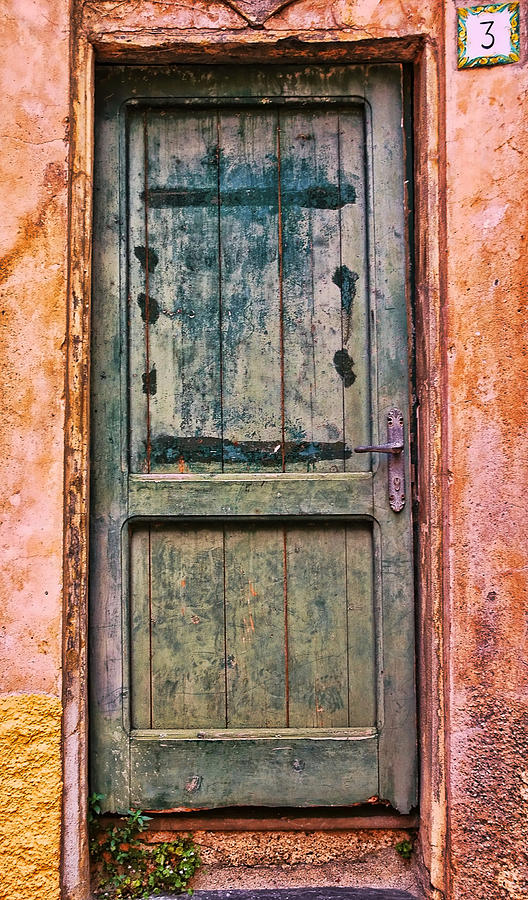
(30, 786)
(33, 238)
(487, 145)
(480, 118)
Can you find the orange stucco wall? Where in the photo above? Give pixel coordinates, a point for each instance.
(481, 120)
(487, 141)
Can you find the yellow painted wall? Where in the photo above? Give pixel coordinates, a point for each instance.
(30, 791)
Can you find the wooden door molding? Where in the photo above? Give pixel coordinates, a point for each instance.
(431, 371)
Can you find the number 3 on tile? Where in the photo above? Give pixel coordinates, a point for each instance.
(488, 26)
(488, 35)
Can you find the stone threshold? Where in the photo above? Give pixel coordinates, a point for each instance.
(317, 893)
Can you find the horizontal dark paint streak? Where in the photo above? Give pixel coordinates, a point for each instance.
(318, 197)
(347, 102)
(168, 449)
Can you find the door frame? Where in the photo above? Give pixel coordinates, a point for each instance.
(427, 232)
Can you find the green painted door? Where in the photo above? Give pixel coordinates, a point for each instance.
(251, 587)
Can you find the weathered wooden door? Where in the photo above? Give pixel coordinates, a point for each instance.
(251, 587)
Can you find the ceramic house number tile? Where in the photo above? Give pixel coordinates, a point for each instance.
(488, 35)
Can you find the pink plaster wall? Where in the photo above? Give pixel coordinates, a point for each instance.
(34, 82)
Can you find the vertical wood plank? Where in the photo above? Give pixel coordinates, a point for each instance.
(140, 649)
(255, 638)
(188, 664)
(108, 716)
(353, 281)
(361, 626)
(184, 339)
(397, 769)
(313, 388)
(251, 385)
(317, 632)
(137, 288)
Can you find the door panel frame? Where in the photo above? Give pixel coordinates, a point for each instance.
(432, 572)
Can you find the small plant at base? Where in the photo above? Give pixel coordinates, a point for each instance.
(94, 807)
(405, 849)
(125, 867)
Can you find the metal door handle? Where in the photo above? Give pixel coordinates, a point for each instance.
(396, 462)
(395, 449)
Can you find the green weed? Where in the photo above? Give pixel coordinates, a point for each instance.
(126, 867)
(405, 849)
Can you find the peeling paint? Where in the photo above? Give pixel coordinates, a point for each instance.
(343, 363)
